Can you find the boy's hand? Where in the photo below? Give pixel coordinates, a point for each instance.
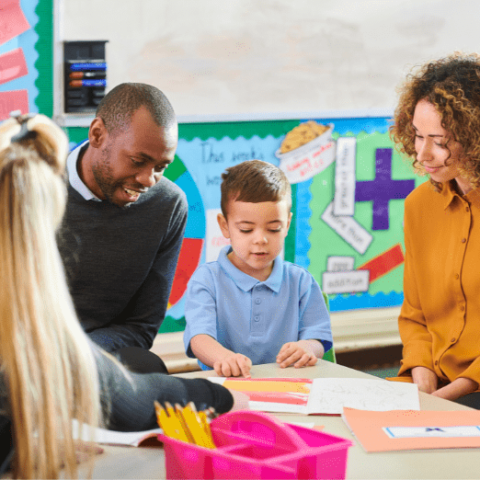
(300, 354)
(233, 366)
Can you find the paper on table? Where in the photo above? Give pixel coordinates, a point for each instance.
(110, 437)
(412, 430)
(330, 395)
(324, 395)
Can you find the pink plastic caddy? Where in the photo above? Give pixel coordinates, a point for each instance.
(254, 445)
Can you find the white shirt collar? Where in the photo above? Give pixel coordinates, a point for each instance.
(74, 178)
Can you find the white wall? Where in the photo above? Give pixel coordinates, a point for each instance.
(262, 56)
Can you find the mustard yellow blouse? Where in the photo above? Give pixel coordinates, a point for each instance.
(439, 321)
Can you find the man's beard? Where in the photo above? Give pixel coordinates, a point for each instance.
(104, 179)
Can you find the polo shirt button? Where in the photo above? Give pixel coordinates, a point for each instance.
(462, 308)
(457, 276)
(463, 240)
(436, 362)
(258, 301)
(453, 340)
(256, 318)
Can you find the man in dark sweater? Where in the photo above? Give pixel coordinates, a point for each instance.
(123, 227)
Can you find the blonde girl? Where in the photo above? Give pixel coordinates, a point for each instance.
(50, 372)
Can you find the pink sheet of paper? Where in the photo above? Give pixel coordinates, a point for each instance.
(367, 426)
(11, 101)
(12, 65)
(12, 20)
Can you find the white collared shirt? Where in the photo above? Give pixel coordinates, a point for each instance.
(74, 178)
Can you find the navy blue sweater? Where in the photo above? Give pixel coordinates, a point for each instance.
(120, 263)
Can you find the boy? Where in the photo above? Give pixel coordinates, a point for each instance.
(250, 306)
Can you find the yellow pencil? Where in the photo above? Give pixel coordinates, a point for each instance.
(169, 423)
(196, 428)
(179, 413)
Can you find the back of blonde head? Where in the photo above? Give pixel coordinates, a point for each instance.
(46, 361)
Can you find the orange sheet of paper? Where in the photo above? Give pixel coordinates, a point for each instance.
(276, 385)
(367, 426)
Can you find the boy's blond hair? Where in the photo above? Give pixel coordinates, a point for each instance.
(254, 181)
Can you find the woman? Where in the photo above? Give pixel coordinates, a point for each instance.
(437, 124)
(50, 371)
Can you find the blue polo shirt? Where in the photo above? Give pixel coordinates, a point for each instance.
(252, 317)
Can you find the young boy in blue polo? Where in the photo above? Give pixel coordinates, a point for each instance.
(250, 306)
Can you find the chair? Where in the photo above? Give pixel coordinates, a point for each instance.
(330, 355)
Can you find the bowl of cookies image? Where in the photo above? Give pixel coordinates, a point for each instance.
(306, 150)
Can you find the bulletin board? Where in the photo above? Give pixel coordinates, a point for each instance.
(26, 57)
(348, 188)
(348, 184)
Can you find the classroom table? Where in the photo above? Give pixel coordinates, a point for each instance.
(131, 462)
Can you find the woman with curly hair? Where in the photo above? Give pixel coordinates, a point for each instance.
(437, 125)
(50, 372)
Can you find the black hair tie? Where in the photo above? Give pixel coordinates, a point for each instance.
(24, 133)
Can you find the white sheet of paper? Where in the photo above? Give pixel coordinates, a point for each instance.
(344, 201)
(345, 282)
(349, 229)
(432, 431)
(111, 437)
(330, 395)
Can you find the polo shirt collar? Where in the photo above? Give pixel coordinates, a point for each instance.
(449, 193)
(74, 178)
(246, 282)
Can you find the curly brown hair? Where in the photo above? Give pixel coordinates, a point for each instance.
(452, 85)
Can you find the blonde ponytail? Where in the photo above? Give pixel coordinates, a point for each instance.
(46, 360)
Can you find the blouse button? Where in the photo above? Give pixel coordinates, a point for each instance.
(462, 308)
(436, 362)
(463, 240)
(453, 340)
(457, 276)
(467, 209)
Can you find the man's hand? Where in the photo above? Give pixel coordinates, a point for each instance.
(426, 380)
(233, 365)
(299, 354)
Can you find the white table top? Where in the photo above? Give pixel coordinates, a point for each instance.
(131, 462)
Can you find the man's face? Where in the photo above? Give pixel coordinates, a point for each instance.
(133, 160)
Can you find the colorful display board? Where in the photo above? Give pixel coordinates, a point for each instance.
(348, 183)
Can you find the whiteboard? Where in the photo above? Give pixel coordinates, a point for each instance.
(250, 58)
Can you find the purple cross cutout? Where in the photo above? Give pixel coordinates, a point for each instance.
(382, 189)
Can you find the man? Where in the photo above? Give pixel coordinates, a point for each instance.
(124, 224)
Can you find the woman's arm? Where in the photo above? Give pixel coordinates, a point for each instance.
(426, 380)
(127, 398)
(458, 388)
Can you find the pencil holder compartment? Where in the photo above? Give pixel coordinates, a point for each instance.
(255, 445)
